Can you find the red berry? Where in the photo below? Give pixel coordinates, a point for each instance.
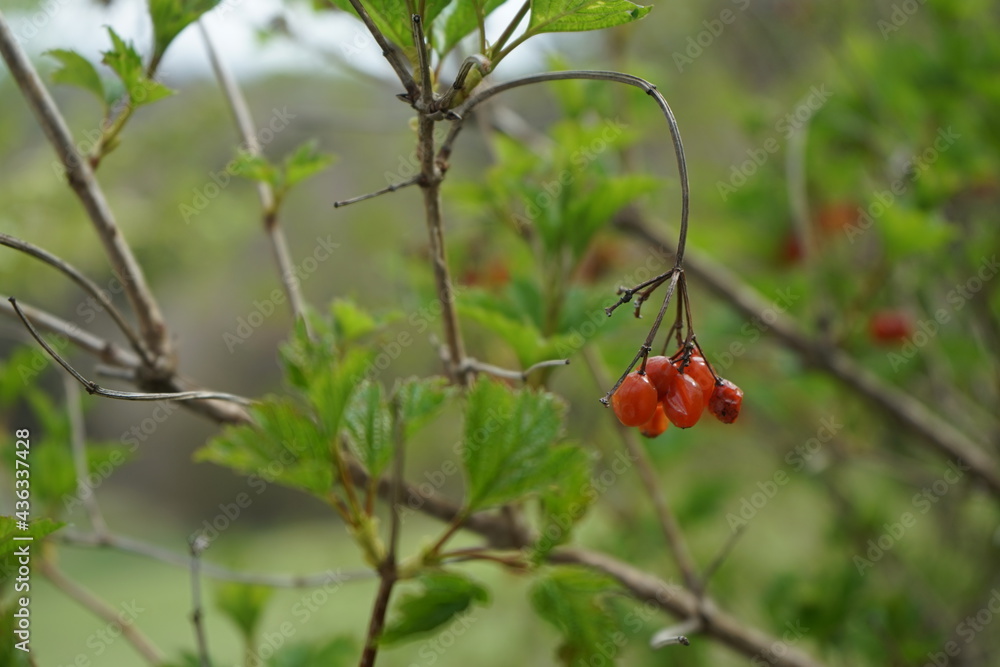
(657, 424)
(635, 400)
(698, 369)
(684, 401)
(726, 401)
(661, 373)
(890, 326)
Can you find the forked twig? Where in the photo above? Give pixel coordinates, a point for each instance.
(94, 388)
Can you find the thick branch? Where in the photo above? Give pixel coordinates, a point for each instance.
(891, 400)
(81, 178)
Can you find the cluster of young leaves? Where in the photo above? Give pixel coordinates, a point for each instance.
(135, 85)
(448, 22)
(304, 162)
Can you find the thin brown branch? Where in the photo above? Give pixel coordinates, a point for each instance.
(372, 195)
(103, 611)
(389, 52)
(139, 548)
(476, 366)
(84, 183)
(198, 545)
(84, 282)
(108, 352)
(244, 124)
(94, 388)
(668, 522)
(889, 399)
(430, 185)
(78, 445)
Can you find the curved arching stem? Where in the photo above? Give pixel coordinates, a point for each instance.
(599, 75)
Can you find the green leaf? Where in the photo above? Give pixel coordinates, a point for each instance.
(256, 168)
(565, 501)
(331, 387)
(127, 64)
(284, 445)
(37, 529)
(444, 596)
(464, 19)
(420, 400)
(575, 601)
(578, 15)
(338, 652)
(369, 428)
(76, 70)
(170, 17)
(243, 604)
(350, 321)
(306, 161)
(509, 447)
(525, 339)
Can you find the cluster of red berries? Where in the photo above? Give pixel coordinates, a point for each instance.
(671, 392)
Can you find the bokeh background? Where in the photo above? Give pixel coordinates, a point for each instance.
(797, 118)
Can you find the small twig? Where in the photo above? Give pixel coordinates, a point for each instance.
(81, 178)
(478, 61)
(83, 281)
(388, 569)
(371, 195)
(470, 364)
(388, 51)
(94, 388)
(511, 27)
(198, 545)
(727, 548)
(244, 124)
(139, 548)
(103, 611)
(79, 446)
(675, 635)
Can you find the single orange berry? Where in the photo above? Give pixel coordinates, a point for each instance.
(684, 401)
(726, 401)
(661, 373)
(634, 401)
(698, 369)
(657, 424)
